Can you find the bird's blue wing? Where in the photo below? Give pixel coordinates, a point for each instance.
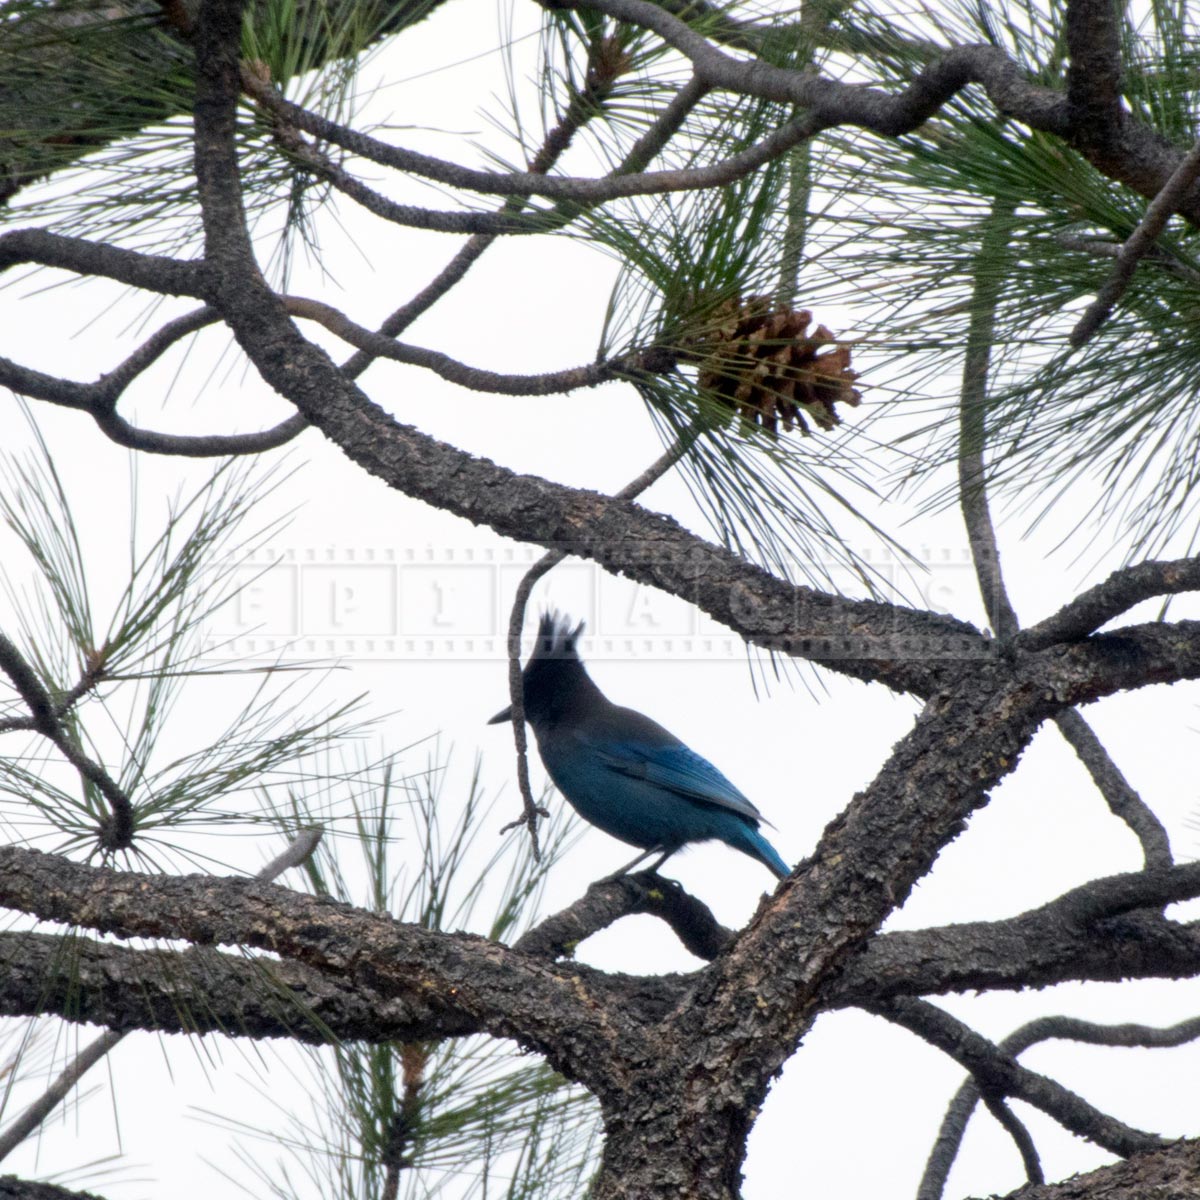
(676, 767)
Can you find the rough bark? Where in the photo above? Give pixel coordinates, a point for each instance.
(1169, 1174)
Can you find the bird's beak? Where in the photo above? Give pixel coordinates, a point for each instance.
(501, 717)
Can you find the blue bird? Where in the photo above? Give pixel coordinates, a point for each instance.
(624, 772)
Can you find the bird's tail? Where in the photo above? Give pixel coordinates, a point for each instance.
(753, 843)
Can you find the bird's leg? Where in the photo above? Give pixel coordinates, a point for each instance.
(645, 854)
(666, 854)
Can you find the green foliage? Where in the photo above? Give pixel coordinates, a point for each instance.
(777, 500)
(469, 1115)
(117, 682)
(1115, 422)
(122, 150)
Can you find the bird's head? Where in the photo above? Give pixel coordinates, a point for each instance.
(554, 677)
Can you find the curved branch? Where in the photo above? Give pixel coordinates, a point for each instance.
(608, 900)
(545, 384)
(577, 190)
(1011, 1124)
(999, 1074)
(557, 140)
(961, 1106)
(1109, 599)
(1123, 149)
(209, 445)
(99, 399)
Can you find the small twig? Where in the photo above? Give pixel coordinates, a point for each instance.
(398, 1143)
(31, 1119)
(572, 191)
(480, 380)
(1013, 1126)
(33, 1116)
(1120, 796)
(556, 142)
(972, 425)
(116, 830)
(295, 854)
(531, 810)
(1158, 213)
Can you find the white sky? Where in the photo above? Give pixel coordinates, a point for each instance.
(413, 603)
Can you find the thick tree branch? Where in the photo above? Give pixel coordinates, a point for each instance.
(451, 983)
(202, 991)
(1092, 932)
(193, 991)
(150, 272)
(12, 1188)
(297, 852)
(1093, 31)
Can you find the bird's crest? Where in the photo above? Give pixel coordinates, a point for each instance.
(555, 637)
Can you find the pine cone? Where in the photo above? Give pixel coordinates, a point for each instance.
(759, 359)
